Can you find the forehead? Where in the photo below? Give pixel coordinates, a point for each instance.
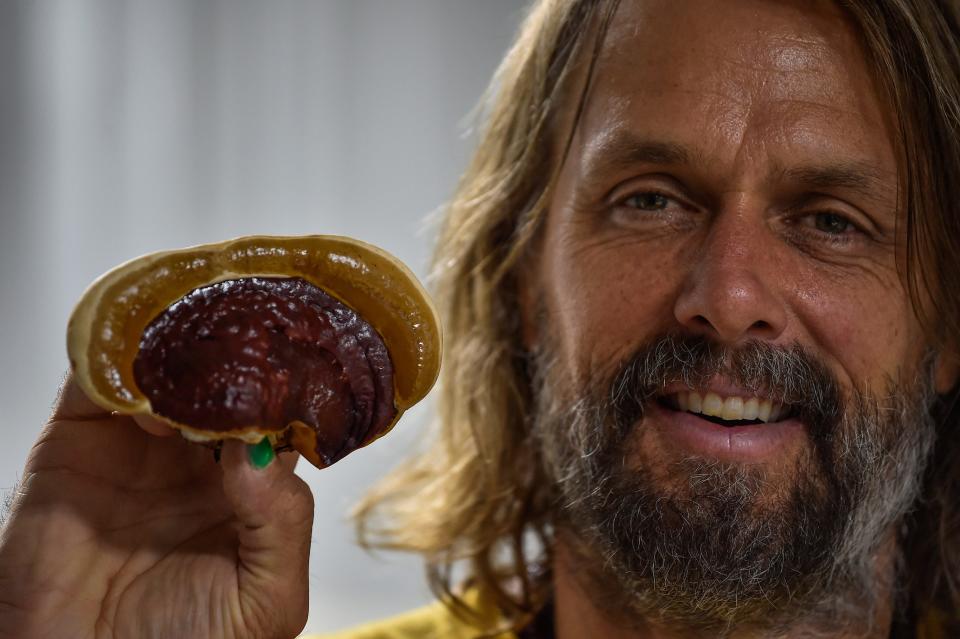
(738, 81)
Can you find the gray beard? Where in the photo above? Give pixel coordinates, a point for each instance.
(719, 546)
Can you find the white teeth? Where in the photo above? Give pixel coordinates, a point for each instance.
(712, 405)
(730, 408)
(764, 413)
(696, 403)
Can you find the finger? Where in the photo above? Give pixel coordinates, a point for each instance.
(73, 403)
(153, 425)
(289, 460)
(275, 509)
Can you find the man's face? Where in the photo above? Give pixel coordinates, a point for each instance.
(732, 182)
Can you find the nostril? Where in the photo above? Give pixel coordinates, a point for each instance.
(702, 321)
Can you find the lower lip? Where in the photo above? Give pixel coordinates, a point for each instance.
(753, 443)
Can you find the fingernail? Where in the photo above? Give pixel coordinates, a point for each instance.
(261, 454)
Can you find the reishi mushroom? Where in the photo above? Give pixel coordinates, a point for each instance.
(318, 343)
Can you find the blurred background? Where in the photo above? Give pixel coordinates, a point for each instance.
(133, 126)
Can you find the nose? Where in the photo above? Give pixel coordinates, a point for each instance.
(731, 292)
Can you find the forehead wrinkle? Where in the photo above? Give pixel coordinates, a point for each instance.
(788, 53)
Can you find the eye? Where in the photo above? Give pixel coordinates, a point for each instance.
(826, 227)
(648, 201)
(832, 223)
(649, 207)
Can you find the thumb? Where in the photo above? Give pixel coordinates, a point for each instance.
(275, 512)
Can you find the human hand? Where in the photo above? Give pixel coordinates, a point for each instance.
(124, 531)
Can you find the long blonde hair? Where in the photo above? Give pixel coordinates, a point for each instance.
(478, 498)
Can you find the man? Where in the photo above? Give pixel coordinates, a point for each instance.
(701, 309)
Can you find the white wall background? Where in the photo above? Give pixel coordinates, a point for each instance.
(133, 126)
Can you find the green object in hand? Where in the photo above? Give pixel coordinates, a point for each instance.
(261, 454)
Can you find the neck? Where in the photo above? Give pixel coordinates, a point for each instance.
(579, 614)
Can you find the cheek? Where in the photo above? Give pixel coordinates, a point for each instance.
(862, 324)
(606, 296)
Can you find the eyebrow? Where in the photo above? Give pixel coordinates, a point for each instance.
(856, 176)
(623, 151)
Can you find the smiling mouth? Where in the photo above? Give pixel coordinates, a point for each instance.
(727, 411)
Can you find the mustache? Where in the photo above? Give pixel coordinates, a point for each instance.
(789, 374)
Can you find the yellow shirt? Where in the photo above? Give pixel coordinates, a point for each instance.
(430, 622)
(437, 622)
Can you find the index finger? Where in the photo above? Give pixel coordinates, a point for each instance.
(73, 403)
